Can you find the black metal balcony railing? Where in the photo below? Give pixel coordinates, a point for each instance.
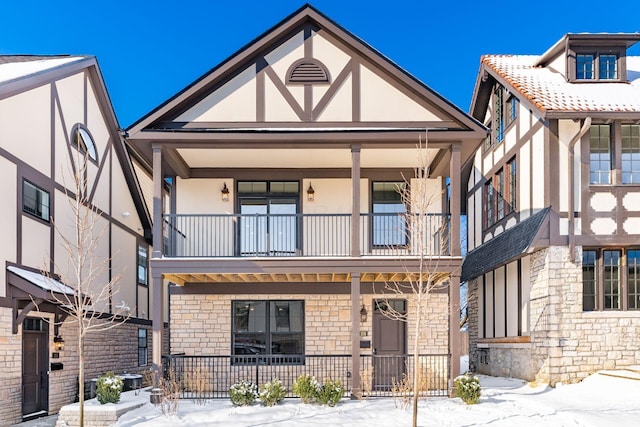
(310, 235)
(210, 377)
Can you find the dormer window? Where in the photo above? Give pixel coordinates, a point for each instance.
(597, 64)
(596, 67)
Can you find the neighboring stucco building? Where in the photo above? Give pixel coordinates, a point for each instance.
(554, 211)
(52, 107)
(281, 222)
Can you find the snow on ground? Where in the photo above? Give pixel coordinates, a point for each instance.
(599, 401)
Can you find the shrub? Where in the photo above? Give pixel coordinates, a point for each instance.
(468, 388)
(306, 387)
(330, 393)
(243, 393)
(272, 393)
(108, 388)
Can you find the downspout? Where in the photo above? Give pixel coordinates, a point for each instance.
(571, 211)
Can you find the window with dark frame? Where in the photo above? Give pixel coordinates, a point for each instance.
(512, 185)
(596, 66)
(584, 66)
(268, 328)
(143, 265)
(633, 279)
(630, 154)
(589, 281)
(35, 201)
(512, 109)
(498, 121)
(389, 224)
(600, 154)
(82, 140)
(142, 347)
(500, 194)
(606, 285)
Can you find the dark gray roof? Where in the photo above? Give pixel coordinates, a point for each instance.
(503, 248)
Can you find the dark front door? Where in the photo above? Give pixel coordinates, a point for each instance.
(35, 361)
(389, 344)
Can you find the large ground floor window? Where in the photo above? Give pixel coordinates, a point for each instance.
(268, 328)
(610, 279)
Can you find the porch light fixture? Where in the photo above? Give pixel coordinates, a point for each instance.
(58, 343)
(311, 193)
(225, 193)
(363, 314)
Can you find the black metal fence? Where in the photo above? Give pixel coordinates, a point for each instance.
(211, 376)
(281, 235)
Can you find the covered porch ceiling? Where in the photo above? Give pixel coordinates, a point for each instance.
(398, 277)
(301, 158)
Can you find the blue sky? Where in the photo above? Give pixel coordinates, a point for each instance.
(148, 51)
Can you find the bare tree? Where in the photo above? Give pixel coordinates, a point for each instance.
(427, 237)
(85, 272)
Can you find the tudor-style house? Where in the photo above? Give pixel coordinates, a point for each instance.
(277, 217)
(54, 111)
(554, 211)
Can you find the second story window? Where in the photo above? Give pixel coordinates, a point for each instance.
(143, 265)
(500, 194)
(82, 140)
(389, 223)
(630, 154)
(600, 154)
(498, 122)
(35, 201)
(512, 109)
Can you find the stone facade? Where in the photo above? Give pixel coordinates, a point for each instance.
(567, 344)
(201, 324)
(115, 349)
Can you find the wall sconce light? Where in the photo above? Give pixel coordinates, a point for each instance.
(58, 343)
(311, 193)
(225, 193)
(363, 314)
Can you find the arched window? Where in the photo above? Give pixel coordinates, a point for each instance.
(82, 140)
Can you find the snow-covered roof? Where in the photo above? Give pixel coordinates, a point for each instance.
(550, 90)
(13, 67)
(41, 281)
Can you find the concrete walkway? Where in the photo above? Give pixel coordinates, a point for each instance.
(49, 421)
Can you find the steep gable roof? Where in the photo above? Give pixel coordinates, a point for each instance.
(24, 72)
(307, 15)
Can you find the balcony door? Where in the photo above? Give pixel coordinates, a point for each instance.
(268, 218)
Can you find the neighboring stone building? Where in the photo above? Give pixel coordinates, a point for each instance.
(53, 111)
(554, 211)
(283, 220)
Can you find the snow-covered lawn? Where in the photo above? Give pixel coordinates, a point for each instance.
(599, 400)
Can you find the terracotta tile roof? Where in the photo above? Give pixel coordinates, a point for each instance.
(550, 91)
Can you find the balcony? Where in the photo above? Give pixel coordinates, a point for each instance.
(304, 235)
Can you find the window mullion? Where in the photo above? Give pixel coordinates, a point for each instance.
(616, 148)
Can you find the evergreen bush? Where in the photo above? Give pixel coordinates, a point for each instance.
(272, 393)
(306, 388)
(468, 388)
(243, 393)
(108, 388)
(330, 393)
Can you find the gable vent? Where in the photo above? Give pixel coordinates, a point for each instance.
(307, 70)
